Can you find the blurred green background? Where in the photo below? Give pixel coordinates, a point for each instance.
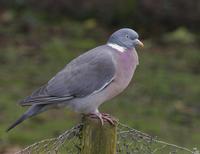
(37, 38)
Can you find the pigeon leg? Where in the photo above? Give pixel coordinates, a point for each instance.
(109, 118)
(103, 117)
(96, 116)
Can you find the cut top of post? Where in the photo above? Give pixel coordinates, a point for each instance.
(98, 138)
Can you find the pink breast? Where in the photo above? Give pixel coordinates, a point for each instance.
(126, 64)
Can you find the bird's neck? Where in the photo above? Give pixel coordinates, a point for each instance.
(117, 47)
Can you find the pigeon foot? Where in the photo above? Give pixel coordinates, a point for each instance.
(103, 117)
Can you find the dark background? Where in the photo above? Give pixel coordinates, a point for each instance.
(37, 38)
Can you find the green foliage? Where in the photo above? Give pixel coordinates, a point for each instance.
(144, 15)
(181, 35)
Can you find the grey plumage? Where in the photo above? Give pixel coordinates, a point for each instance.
(89, 80)
(33, 110)
(129, 39)
(94, 66)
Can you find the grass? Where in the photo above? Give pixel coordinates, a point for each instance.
(162, 100)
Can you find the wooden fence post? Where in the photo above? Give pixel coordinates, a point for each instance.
(98, 139)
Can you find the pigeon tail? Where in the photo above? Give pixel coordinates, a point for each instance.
(33, 110)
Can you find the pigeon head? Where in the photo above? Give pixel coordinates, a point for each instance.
(126, 38)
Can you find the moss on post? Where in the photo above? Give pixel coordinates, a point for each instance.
(98, 139)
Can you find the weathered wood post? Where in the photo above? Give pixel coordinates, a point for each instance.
(98, 139)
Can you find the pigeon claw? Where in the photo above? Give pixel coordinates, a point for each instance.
(110, 119)
(103, 117)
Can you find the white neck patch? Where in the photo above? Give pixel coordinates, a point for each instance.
(117, 47)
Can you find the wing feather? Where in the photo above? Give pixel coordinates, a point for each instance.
(87, 74)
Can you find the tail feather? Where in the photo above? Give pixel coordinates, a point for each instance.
(18, 121)
(33, 110)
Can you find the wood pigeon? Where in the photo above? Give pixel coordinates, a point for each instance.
(90, 79)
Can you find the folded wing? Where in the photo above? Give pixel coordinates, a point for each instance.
(87, 74)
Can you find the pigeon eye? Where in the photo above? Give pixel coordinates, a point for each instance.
(127, 36)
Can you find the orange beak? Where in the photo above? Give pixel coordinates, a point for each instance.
(139, 43)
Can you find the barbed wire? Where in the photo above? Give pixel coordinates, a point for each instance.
(130, 141)
(68, 141)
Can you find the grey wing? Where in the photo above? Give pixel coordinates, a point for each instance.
(41, 96)
(87, 74)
